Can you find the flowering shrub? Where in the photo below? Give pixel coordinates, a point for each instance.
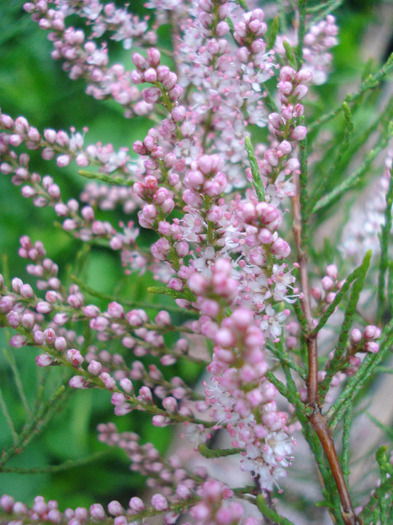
(233, 178)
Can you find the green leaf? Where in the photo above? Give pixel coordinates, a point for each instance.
(384, 242)
(356, 177)
(66, 465)
(109, 179)
(346, 443)
(270, 513)
(162, 290)
(323, 9)
(290, 54)
(219, 452)
(256, 177)
(380, 505)
(371, 82)
(301, 5)
(273, 31)
(242, 4)
(131, 304)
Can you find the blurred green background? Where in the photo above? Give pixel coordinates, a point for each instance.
(31, 84)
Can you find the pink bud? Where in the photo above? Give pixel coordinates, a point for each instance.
(372, 347)
(44, 360)
(150, 75)
(115, 508)
(63, 160)
(94, 368)
(170, 404)
(97, 512)
(327, 283)
(159, 502)
(77, 382)
(178, 113)
(74, 357)
(332, 271)
(299, 133)
(151, 95)
(153, 56)
(371, 332)
(280, 248)
(139, 60)
(356, 336)
(222, 29)
(7, 503)
(126, 385)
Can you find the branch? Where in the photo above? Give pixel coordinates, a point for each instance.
(316, 419)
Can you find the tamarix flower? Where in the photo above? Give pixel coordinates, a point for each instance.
(230, 317)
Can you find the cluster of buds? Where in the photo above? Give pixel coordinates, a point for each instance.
(239, 392)
(330, 285)
(213, 291)
(206, 178)
(48, 512)
(292, 90)
(58, 145)
(212, 17)
(82, 58)
(262, 221)
(317, 44)
(366, 341)
(214, 507)
(42, 322)
(250, 29)
(166, 89)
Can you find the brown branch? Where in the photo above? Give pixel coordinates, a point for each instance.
(312, 379)
(320, 426)
(316, 419)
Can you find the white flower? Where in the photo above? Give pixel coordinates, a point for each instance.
(269, 461)
(197, 434)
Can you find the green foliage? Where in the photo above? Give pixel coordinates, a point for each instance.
(384, 259)
(269, 513)
(379, 508)
(256, 177)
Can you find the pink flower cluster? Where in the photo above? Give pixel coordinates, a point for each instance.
(317, 44)
(219, 247)
(83, 58)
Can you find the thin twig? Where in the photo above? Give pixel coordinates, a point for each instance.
(316, 418)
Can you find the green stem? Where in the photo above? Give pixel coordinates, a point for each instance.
(256, 177)
(10, 423)
(270, 513)
(384, 241)
(346, 443)
(36, 424)
(113, 180)
(18, 381)
(219, 452)
(67, 465)
(132, 304)
(357, 176)
(371, 82)
(301, 30)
